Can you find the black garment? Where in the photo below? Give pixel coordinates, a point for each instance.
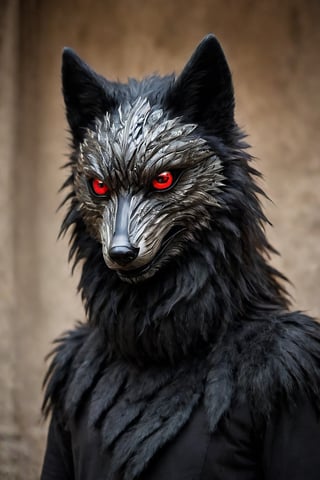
(286, 448)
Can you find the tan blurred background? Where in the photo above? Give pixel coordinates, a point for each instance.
(273, 50)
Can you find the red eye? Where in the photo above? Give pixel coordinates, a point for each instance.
(99, 187)
(162, 181)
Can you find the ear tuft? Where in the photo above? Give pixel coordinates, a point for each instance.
(85, 94)
(203, 92)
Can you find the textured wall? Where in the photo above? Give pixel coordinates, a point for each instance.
(273, 51)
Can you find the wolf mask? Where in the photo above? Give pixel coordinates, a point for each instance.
(147, 180)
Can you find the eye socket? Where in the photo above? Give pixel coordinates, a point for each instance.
(163, 181)
(99, 188)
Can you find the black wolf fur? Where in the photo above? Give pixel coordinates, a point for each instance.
(212, 322)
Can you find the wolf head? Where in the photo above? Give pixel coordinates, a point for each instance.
(146, 179)
(164, 206)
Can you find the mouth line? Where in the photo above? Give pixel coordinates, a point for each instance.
(172, 233)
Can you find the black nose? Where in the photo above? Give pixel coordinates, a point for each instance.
(123, 254)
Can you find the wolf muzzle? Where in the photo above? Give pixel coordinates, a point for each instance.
(121, 251)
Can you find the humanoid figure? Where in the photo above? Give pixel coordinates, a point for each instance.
(189, 364)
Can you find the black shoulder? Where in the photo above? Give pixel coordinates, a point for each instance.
(265, 363)
(279, 361)
(74, 359)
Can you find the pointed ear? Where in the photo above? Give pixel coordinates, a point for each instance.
(203, 93)
(85, 94)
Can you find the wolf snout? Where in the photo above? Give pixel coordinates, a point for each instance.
(121, 251)
(123, 254)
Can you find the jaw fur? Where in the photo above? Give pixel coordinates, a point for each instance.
(161, 257)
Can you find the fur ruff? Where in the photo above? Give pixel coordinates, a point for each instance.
(263, 363)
